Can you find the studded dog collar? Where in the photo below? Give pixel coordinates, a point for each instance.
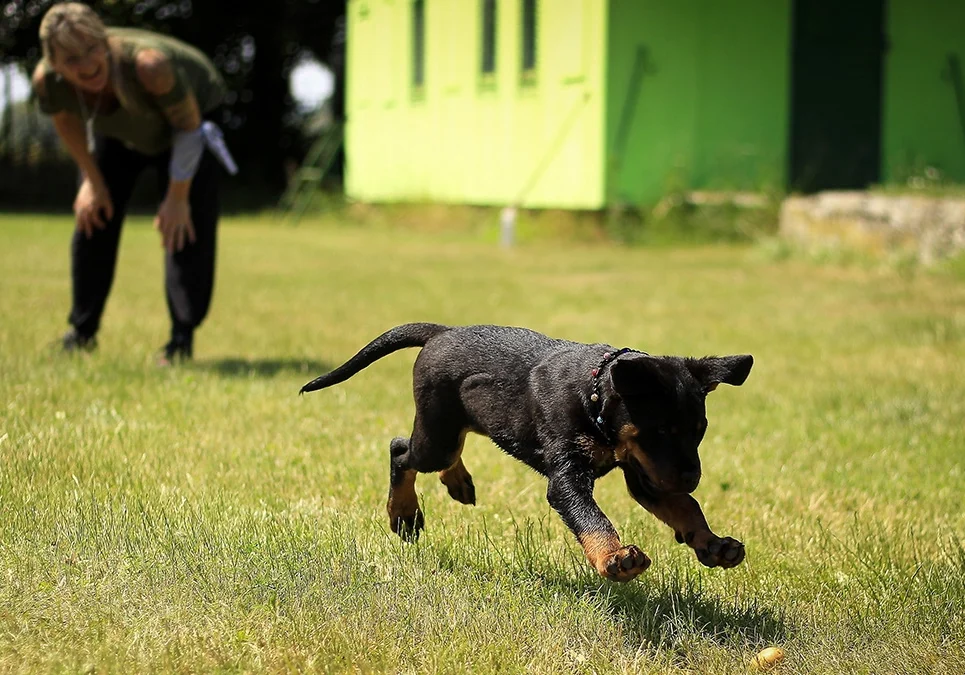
(596, 398)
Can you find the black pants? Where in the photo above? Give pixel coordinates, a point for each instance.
(188, 273)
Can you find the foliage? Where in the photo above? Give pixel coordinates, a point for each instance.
(675, 221)
(255, 44)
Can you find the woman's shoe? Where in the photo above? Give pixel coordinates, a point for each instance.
(74, 343)
(176, 351)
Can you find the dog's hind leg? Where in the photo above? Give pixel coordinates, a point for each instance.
(405, 516)
(435, 445)
(457, 479)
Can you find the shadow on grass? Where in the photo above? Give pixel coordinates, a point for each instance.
(665, 607)
(239, 367)
(670, 609)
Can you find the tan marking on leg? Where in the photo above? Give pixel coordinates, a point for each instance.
(456, 475)
(683, 514)
(403, 502)
(457, 479)
(598, 546)
(611, 560)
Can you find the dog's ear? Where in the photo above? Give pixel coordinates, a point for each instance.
(713, 370)
(637, 375)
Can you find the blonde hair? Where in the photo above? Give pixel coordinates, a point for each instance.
(72, 26)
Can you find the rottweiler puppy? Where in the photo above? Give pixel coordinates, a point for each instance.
(571, 411)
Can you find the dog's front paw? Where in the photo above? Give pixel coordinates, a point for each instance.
(624, 564)
(721, 552)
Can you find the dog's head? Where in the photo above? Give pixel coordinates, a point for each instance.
(660, 413)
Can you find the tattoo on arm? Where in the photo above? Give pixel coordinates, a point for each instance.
(184, 115)
(159, 77)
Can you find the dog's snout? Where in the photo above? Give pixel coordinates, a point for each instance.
(690, 479)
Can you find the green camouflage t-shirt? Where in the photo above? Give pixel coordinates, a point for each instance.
(141, 124)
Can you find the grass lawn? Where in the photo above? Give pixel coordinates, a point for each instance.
(206, 518)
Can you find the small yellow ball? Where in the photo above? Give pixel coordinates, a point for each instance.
(767, 658)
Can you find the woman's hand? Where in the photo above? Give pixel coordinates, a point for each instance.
(173, 221)
(92, 207)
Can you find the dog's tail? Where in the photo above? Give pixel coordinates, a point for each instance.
(392, 340)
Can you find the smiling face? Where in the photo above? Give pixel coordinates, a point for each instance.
(87, 67)
(74, 42)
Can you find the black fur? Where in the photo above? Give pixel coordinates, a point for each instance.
(531, 394)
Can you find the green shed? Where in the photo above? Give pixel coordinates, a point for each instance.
(585, 103)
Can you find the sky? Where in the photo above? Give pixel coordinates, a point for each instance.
(311, 83)
(21, 87)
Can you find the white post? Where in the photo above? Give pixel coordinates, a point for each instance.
(507, 226)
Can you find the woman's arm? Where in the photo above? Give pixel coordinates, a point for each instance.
(158, 76)
(93, 196)
(71, 130)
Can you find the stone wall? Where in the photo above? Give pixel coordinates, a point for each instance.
(930, 228)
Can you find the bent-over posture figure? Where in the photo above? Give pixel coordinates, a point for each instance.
(123, 100)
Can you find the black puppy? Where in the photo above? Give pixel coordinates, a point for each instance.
(572, 412)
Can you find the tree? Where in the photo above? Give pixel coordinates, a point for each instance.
(254, 43)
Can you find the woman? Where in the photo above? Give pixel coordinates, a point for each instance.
(123, 100)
